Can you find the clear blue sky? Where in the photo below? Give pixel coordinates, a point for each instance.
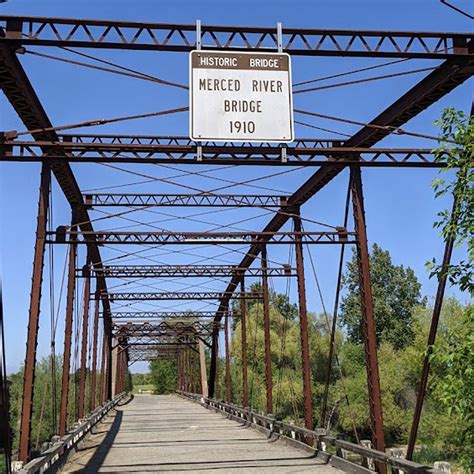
(399, 203)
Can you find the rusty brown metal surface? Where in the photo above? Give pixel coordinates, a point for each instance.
(95, 341)
(71, 287)
(73, 32)
(85, 340)
(228, 388)
(243, 329)
(34, 314)
(266, 330)
(302, 153)
(368, 316)
(305, 356)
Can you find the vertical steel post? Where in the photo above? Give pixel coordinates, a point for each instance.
(213, 364)
(109, 370)
(34, 314)
(266, 328)
(243, 328)
(71, 287)
(118, 368)
(305, 359)
(202, 363)
(448, 251)
(103, 369)
(368, 317)
(85, 338)
(180, 370)
(227, 360)
(185, 370)
(95, 341)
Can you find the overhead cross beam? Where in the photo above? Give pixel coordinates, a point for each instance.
(198, 238)
(172, 295)
(165, 315)
(300, 153)
(183, 271)
(71, 32)
(185, 200)
(164, 328)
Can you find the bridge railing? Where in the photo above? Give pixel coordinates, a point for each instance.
(337, 452)
(52, 458)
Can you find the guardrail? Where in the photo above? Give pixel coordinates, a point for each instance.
(52, 458)
(341, 454)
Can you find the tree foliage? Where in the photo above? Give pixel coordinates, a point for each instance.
(455, 387)
(396, 292)
(456, 151)
(163, 375)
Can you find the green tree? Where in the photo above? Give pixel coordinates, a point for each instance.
(42, 427)
(454, 383)
(163, 375)
(456, 152)
(396, 292)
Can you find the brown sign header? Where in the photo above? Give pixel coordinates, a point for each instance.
(247, 61)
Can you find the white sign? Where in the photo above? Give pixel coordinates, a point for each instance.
(240, 97)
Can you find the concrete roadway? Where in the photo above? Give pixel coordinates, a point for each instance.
(161, 433)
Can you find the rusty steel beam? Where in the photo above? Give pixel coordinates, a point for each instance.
(87, 33)
(163, 329)
(184, 141)
(63, 236)
(164, 315)
(173, 295)
(156, 271)
(95, 342)
(367, 314)
(433, 87)
(266, 330)
(34, 314)
(243, 329)
(85, 340)
(229, 154)
(71, 287)
(103, 367)
(185, 200)
(304, 338)
(228, 387)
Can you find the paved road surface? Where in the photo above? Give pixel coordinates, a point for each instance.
(160, 433)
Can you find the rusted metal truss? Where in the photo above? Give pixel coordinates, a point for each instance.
(164, 328)
(333, 156)
(180, 37)
(148, 353)
(170, 340)
(172, 295)
(298, 153)
(198, 238)
(148, 141)
(167, 314)
(155, 271)
(180, 200)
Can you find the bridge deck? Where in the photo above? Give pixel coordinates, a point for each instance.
(159, 433)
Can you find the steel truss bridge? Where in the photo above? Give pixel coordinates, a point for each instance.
(120, 336)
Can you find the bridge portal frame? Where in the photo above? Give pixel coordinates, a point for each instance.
(455, 49)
